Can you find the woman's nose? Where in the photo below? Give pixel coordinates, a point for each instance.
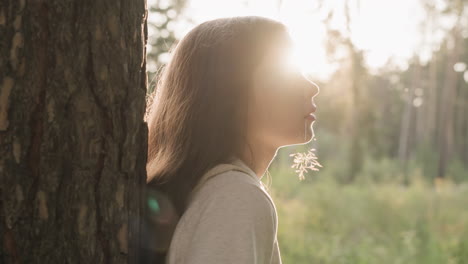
(315, 88)
(312, 89)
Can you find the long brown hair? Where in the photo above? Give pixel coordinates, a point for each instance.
(198, 116)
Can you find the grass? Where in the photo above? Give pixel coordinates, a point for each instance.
(321, 221)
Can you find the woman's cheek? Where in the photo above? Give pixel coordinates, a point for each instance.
(277, 105)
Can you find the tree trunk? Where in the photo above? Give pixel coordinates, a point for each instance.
(431, 105)
(73, 140)
(356, 150)
(405, 141)
(446, 142)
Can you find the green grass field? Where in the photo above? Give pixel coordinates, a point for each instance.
(323, 222)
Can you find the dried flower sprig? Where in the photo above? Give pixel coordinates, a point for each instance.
(304, 161)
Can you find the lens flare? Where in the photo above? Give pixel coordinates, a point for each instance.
(153, 205)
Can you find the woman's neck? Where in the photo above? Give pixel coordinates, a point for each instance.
(260, 159)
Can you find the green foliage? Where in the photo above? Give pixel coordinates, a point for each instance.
(457, 171)
(372, 220)
(162, 36)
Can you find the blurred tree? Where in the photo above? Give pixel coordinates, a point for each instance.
(417, 114)
(72, 138)
(406, 137)
(445, 109)
(360, 117)
(164, 15)
(446, 124)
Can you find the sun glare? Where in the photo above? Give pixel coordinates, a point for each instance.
(305, 28)
(308, 54)
(305, 24)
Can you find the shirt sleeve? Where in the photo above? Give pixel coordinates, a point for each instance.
(237, 226)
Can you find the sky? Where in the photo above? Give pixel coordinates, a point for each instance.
(382, 28)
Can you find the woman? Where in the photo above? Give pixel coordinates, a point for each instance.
(225, 103)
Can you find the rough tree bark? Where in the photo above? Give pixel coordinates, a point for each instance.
(72, 136)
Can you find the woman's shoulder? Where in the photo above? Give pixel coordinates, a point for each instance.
(236, 187)
(234, 178)
(234, 181)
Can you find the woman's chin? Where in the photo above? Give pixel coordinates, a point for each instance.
(301, 140)
(309, 136)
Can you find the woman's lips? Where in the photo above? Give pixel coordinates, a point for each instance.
(310, 117)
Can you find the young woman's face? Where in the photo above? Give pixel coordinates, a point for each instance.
(281, 99)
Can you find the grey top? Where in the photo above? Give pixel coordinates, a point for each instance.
(231, 218)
